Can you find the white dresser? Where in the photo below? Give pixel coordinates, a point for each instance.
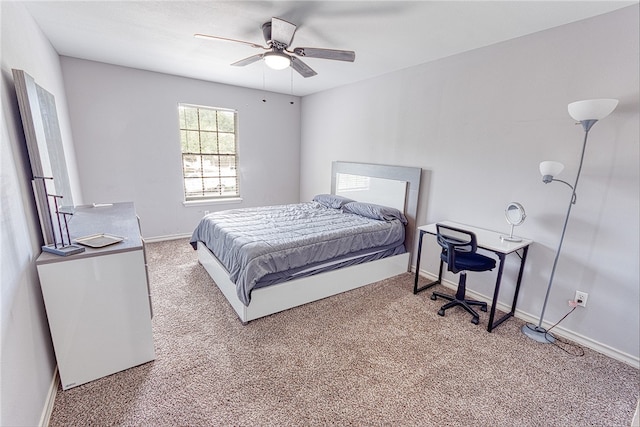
(98, 302)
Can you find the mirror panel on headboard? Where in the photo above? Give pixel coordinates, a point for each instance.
(381, 191)
(44, 144)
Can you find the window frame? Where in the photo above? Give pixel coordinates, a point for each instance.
(208, 171)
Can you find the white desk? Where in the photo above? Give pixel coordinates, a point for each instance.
(491, 241)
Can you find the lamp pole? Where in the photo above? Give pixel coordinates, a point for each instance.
(540, 332)
(587, 113)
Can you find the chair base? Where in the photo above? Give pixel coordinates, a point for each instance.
(464, 303)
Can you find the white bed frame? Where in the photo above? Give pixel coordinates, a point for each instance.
(403, 194)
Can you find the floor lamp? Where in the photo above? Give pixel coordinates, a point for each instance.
(587, 113)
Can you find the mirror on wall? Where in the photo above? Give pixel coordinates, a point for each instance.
(46, 153)
(515, 215)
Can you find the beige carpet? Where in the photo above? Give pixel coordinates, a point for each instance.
(378, 355)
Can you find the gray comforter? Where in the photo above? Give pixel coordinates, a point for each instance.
(255, 242)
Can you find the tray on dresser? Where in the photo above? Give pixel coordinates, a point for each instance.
(99, 240)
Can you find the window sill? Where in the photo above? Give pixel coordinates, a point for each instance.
(230, 200)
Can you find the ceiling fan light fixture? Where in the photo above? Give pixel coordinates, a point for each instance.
(277, 60)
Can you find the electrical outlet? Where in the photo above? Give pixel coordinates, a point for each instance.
(581, 298)
(206, 213)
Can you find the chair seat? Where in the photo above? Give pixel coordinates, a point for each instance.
(471, 261)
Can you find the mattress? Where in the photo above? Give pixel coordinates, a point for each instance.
(268, 245)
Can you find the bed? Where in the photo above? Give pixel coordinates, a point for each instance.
(289, 255)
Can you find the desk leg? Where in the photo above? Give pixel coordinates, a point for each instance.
(515, 295)
(492, 325)
(415, 283)
(495, 297)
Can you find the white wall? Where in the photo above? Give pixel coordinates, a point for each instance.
(478, 124)
(27, 363)
(125, 124)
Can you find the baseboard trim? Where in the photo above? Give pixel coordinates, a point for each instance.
(558, 330)
(51, 399)
(166, 238)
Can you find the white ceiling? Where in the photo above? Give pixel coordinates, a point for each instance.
(386, 35)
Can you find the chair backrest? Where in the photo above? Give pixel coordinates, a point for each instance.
(455, 240)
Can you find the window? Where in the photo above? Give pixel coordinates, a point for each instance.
(209, 152)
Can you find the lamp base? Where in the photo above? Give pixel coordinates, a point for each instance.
(537, 333)
(63, 250)
(510, 239)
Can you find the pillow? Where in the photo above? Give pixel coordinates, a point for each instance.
(332, 200)
(370, 210)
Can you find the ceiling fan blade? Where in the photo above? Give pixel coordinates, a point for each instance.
(282, 31)
(207, 36)
(338, 55)
(249, 60)
(302, 68)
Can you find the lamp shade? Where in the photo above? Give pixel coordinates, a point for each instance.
(276, 60)
(550, 168)
(592, 109)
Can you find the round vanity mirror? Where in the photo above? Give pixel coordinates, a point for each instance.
(515, 216)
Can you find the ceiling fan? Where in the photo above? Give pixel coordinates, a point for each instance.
(278, 35)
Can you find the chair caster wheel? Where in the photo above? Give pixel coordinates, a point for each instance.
(433, 297)
(441, 312)
(474, 320)
(483, 308)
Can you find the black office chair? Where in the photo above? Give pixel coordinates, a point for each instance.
(459, 252)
